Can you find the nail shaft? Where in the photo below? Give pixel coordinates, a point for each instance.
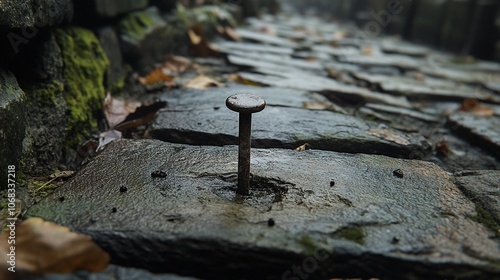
(244, 153)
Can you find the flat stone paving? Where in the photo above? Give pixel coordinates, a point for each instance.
(172, 208)
(343, 208)
(201, 118)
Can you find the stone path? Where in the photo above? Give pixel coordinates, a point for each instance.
(359, 203)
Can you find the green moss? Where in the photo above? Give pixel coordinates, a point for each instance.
(85, 68)
(47, 94)
(354, 234)
(485, 218)
(136, 25)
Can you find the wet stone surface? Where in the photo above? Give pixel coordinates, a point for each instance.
(483, 187)
(482, 131)
(356, 215)
(201, 120)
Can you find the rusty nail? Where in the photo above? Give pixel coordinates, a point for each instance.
(246, 105)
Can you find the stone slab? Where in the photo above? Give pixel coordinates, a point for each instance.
(400, 61)
(281, 60)
(306, 81)
(404, 112)
(215, 97)
(200, 118)
(482, 131)
(230, 47)
(173, 208)
(264, 38)
(483, 187)
(429, 88)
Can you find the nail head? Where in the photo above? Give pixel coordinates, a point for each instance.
(245, 103)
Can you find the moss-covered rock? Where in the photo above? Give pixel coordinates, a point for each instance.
(30, 13)
(146, 38)
(112, 8)
(85, 68)
(45, 134)
(12, 123)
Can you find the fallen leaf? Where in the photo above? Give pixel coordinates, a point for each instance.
(199, 45)
(43, 247)
(237, 78)
(107, 137)
(194, 38)
(311, 105)
(367, 50)
(230, 33)
(142, 116)
(339, 35)
(116, 110)
(388, 135)
(177, 64)
(474, 107)
(304, 147)
(334, 74)
(160, 75)
(419, 76)
(203, 82)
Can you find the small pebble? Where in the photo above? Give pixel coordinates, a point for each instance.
(271, 222)
(398, 173)
(158, 174)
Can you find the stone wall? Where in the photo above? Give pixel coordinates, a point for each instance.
(58, 60)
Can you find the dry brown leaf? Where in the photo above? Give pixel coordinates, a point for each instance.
(311, 105)
(333, 73)
(474, 107)
(117, 110)
(367, 50)
(176, 64)
(304, 147)
(194, 38)
(142, 115)
(43, 247)
(237, 78)
(419, 76)
(339, 35)
(388, 135)
(159, 75)
(267, 30)
(230, 33)
(203, 82)
(199, 45)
